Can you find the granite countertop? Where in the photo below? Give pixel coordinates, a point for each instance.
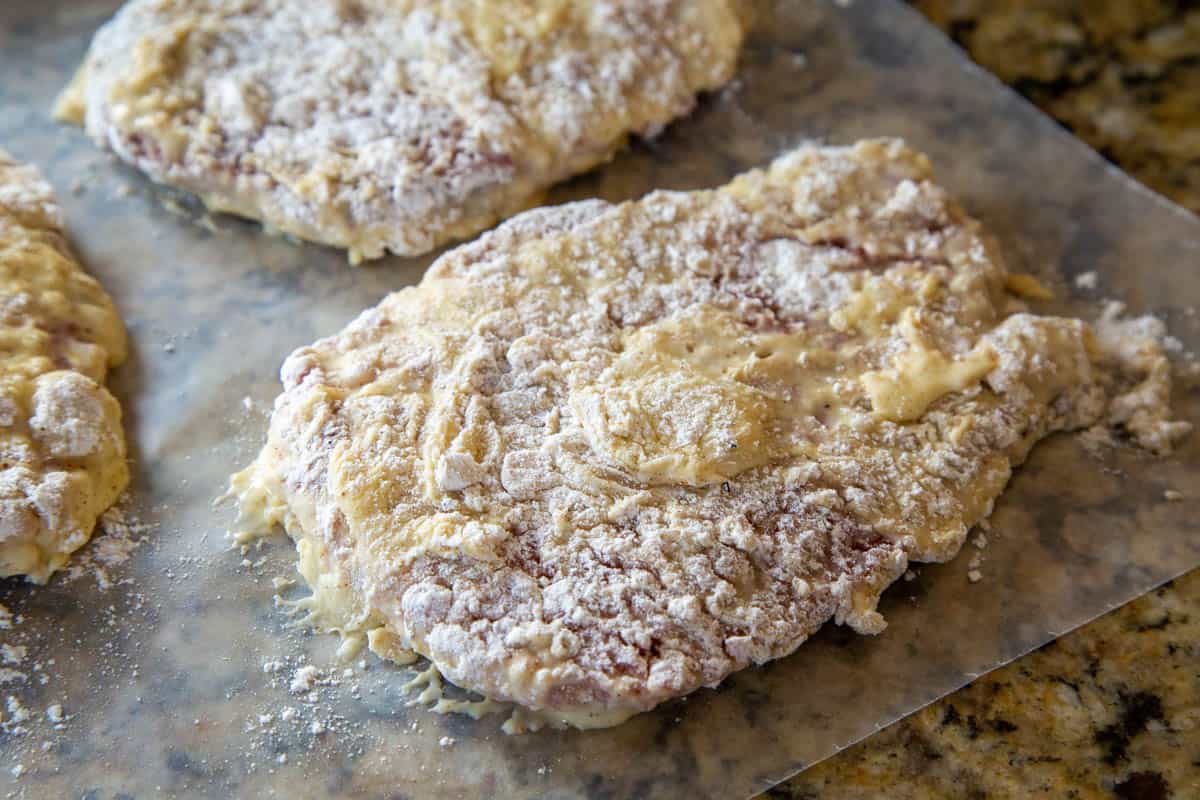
(1112, 709)
(1124, 75)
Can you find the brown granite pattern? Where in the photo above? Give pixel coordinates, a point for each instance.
(1122, 74)
(1111, 710)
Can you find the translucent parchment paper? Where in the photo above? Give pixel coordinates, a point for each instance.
(161, 675)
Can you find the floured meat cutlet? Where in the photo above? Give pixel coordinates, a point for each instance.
(390, 125)
(62, 449)
(608, 454)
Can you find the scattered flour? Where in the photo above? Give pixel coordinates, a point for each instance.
(17, 713)
(974, 575)
(31, 677)
(304, 679)
(119, 534)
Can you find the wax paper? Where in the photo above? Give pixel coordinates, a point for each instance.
(176, 671)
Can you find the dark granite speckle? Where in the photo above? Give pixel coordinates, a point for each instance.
(1142, 786)
(1137, 711)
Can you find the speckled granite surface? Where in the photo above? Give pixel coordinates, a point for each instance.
(1113, 709)
(1122, 74)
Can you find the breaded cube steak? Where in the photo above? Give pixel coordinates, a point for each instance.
(390, 125)
(608, 454)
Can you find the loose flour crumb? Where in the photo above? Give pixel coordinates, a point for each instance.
(17, 715)
(118, 534)
(1097, 441)
(304, 679)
